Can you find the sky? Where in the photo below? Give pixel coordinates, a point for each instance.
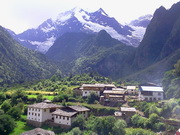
(20, 15)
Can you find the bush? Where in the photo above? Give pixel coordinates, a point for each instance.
(159, 126)
(7, 124)
(92, 98)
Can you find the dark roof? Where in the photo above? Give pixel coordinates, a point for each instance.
(45, 105)
(64, 113)
(79, 108)
(38, 131)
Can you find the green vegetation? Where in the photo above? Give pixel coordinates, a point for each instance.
(171, 82)
(19, 64)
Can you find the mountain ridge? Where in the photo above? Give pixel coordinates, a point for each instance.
(77, 20)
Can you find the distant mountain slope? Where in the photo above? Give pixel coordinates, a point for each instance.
(80, 52)
(142, 21)
(161, 37)
(76, 20)
(19, 64)
(155, 72)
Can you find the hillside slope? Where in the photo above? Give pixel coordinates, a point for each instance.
(80, 52)
(161, 37)
(19, 64)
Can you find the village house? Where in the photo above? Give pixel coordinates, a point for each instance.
(151, 93)
(131, 90)
(66, 116)
(53, 114)
(87, 89)
(113, 97)
(38, 131)
(40, 112)
(125, 113)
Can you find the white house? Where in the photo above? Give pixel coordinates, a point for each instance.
(151, 93)
(40, 112)
(55, 114)
(66, 116)
(132, 90)
(87, 89)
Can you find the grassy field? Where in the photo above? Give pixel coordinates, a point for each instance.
(21, 127)
(41, 92)
(44, 96)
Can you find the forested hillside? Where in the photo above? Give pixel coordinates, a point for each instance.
(80, 52)
(19, 64)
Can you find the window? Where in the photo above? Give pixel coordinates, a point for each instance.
(38, 114)
(67, 118)
(63, 117)
(159, 94)
(59, 117)
(35, 114)
(29, 113)
(56, 116)
(32, 113)
(44, 110)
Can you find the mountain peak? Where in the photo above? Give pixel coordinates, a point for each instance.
(160, 11)
(100, 10)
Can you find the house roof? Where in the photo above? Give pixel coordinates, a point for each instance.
(115, 96)
(44, 105)
(120, 89)
(131, 87)
(152, 88)
(64, 113)
(113, 92)
(38, 131)
(128, 109)
(98, 85)
(79, 108)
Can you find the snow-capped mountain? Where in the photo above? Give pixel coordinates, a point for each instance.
(77, 20)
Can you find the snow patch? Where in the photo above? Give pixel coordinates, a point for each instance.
(138, 32)
(47, 29)
(44, 46)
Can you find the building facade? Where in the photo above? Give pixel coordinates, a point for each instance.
(66, 116)
(41, 113)
(87, 89)
(151, 93)
(125, 113)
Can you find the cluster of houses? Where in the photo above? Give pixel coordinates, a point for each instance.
(63, 116)
(109, 94)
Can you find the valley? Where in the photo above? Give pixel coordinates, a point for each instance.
(85, 73)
